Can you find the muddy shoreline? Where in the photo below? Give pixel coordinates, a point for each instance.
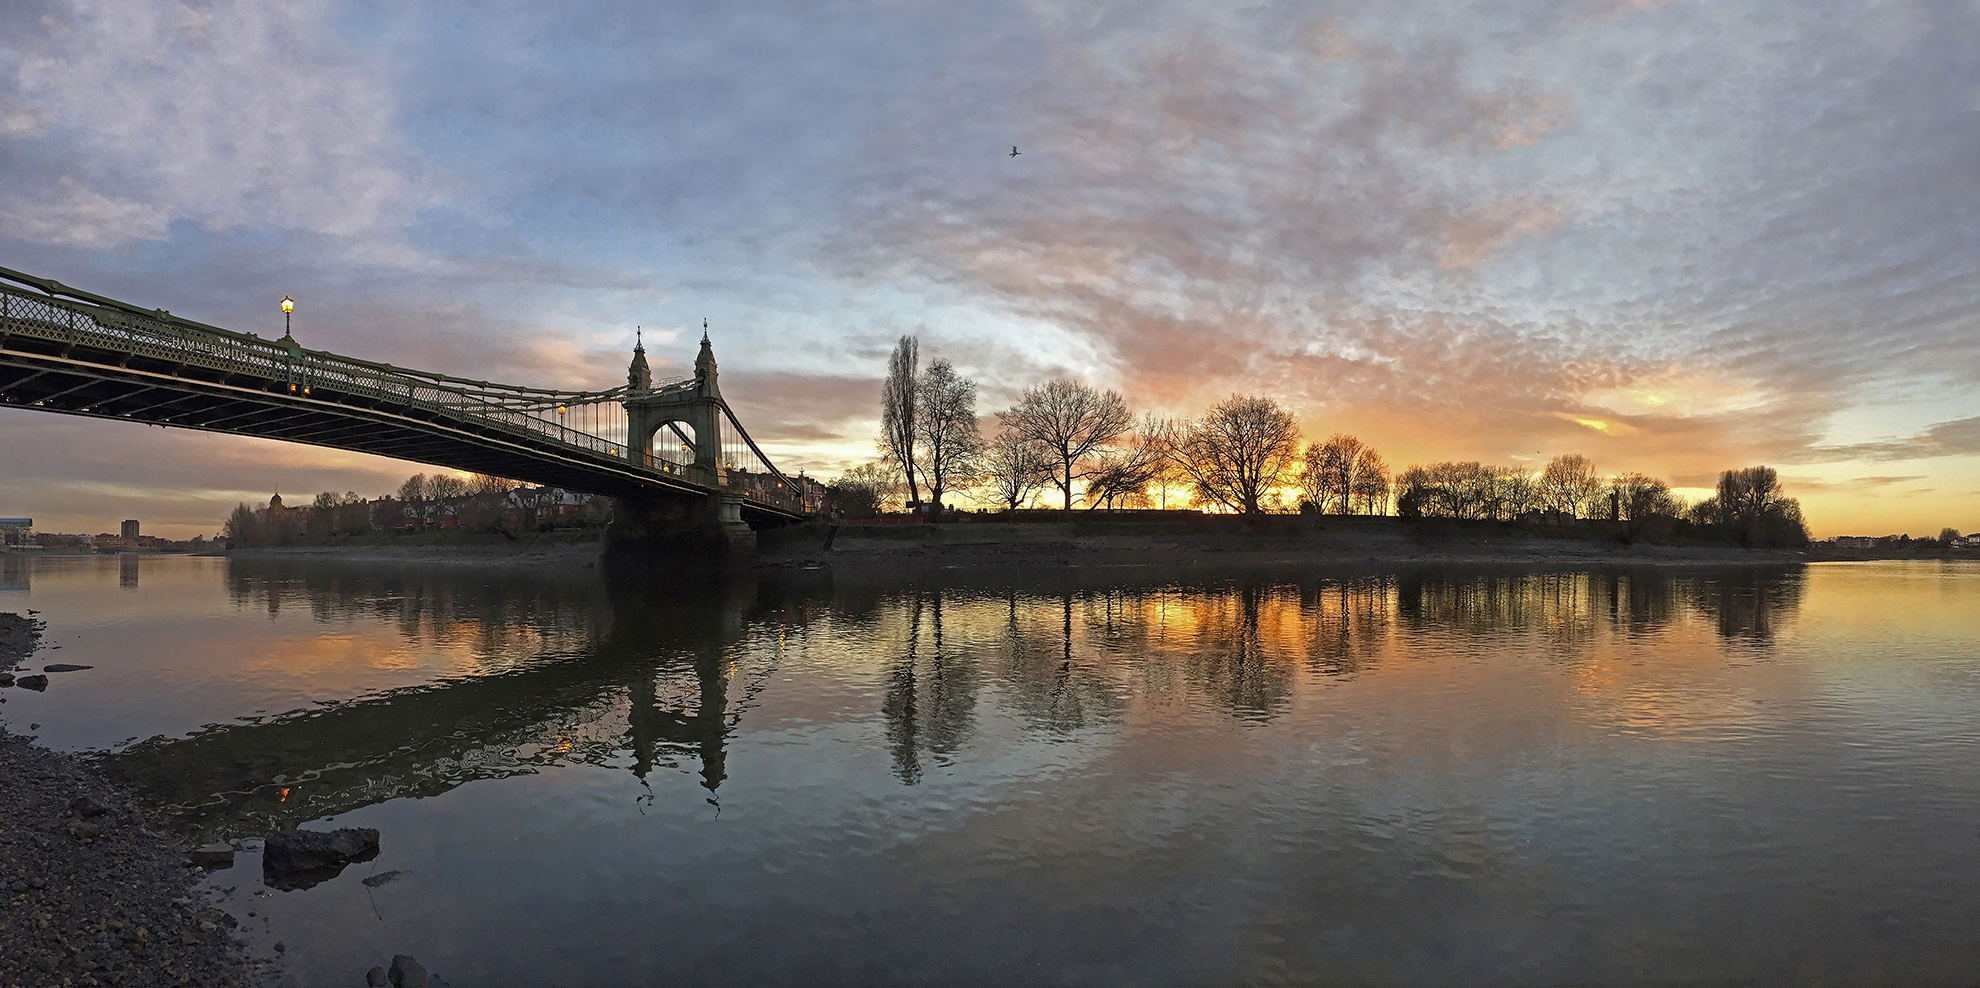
(89, 893)
(1128, 547)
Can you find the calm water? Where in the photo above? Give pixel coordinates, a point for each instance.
(1395, 777)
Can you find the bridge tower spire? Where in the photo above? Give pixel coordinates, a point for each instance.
(638, 378)
(704, 365)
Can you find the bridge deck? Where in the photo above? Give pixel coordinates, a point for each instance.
(104, 359)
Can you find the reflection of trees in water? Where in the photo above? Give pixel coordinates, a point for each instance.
(1346, 623)
(930, 702)
(496, 615)
(1241, 666)
(1748, 605)
(1050, 684)
(1745, 604)
(1569, 609)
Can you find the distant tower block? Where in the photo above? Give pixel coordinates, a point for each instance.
(130, 528)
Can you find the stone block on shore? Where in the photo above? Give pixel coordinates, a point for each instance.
(300, 859)
(407, 972)
(212, 856)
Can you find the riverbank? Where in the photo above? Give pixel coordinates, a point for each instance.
(89, 895)
(1226, 543)
(543, 551)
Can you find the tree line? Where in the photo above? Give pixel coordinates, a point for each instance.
(1077, 443)
(477, 503)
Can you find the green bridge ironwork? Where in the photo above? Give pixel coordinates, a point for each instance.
(68, 351)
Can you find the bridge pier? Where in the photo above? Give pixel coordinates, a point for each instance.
(696, 531)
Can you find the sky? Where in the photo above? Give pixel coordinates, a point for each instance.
(1674, 237)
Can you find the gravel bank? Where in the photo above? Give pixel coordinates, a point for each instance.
(88, 894)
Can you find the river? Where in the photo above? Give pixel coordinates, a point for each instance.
(1422, 776)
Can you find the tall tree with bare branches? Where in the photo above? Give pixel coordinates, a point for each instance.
(900, 411)
(1240, 450)
(1071, 422)
(949, 442)
(1371, 483)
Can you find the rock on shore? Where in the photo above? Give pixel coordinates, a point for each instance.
(299, 859)
(18, 635)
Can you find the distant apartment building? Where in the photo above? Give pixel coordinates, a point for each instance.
(16, 531)
(130, 529)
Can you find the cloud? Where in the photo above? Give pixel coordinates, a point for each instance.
(1465, 232)
(1960, 437)
(229, 115)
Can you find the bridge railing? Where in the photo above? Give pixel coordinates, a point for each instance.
(59, 320)
(165, 338)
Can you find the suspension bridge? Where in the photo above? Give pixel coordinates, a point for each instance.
(674, 449)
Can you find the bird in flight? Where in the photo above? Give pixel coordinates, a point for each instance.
(1014, 151)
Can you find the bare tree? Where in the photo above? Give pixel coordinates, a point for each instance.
(1240, 450)
(1340, 473)
(900, 411)
(1371, 483)
(1467, 490)
(1016, 469)
(1568, 484)
(413, 491)
(866, 490)
(949, 441)
(1071, 422)
(1639, 496)
(1752, 504)
(1337, 458)
(1123, 477)
(1314, 489)
(481, 483)
(444, 486)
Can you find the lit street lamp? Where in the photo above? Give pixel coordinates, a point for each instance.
(288, 306)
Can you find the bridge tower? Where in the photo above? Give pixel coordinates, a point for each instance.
(697, 405)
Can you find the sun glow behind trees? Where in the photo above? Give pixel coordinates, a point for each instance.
(1242, 455)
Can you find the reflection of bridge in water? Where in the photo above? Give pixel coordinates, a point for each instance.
(649, 679)
(660, 679)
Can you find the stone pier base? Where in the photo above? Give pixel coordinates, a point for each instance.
(683, 531)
